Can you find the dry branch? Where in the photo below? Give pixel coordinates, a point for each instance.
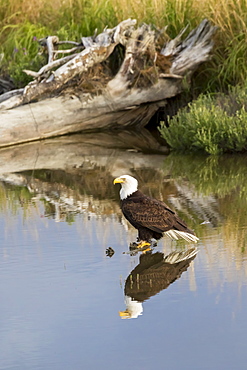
(193, 51)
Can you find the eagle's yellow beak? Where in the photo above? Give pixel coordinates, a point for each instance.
(118, 180)
(124, 314)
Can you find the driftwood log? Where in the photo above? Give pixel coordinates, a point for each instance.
(116, 79)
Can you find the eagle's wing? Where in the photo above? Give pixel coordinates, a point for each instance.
(152, 214)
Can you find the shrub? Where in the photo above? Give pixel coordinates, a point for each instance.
(210, 124)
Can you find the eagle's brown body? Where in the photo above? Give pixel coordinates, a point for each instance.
(151, 217)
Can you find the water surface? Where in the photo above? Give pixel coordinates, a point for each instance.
(61, 293)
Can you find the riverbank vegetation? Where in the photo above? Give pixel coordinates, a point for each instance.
(23, 23)
(210, 124)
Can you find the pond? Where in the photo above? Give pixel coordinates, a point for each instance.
(67, 275)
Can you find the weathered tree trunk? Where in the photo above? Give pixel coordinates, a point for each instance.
(84, 94)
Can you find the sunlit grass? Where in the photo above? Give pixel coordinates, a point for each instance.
(21, 21)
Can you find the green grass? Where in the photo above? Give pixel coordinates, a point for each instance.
(21, 21)
(21, 51)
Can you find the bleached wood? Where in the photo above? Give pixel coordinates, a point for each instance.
(48, 67)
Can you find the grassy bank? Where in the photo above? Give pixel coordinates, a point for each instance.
(22, 23)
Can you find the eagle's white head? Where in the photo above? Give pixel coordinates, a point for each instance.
(129, 185)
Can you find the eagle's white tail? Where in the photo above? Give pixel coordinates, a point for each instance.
(176, 257)
(176, 234)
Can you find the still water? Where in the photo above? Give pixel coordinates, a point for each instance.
(61, 292)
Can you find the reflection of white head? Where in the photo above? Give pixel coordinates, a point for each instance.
(129, 185)
(133, 309)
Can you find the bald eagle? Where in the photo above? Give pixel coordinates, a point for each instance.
(149, 216)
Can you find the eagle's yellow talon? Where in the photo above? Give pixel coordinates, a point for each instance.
(143, 244)
(146, 250)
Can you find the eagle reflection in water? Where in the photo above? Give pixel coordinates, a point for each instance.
(154, 273)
